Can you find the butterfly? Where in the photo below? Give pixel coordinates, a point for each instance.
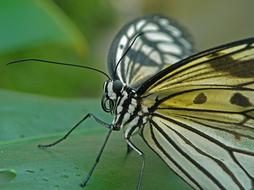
(195, 111)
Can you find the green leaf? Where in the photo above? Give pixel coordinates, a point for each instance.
(24, 166)
(39, 22)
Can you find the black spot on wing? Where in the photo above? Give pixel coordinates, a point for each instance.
(240, 100)
(200, 99)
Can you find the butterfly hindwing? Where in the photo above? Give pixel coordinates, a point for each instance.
(202, 160)
(202, 117)
(162, 42)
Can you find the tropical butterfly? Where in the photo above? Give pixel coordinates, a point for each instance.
(195, 111)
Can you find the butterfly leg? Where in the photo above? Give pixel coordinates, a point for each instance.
(133, 147)
(104, 124)
(129, 149)
(83, 184)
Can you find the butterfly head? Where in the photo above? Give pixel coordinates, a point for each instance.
(112, 89)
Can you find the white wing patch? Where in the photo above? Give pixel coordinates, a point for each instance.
(131, 31)
(170, 48)
(158, 36)
(140, 24)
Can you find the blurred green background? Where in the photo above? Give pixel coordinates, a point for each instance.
(80, 32)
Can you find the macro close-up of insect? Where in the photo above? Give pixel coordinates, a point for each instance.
(126, 95)
(194, 110)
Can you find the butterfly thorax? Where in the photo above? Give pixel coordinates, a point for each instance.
(124, 103)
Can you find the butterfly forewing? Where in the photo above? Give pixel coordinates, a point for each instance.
(162, 43)
(223, 66)
(202, 117)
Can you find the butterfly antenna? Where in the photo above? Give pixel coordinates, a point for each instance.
(127, 50)
(58, 63)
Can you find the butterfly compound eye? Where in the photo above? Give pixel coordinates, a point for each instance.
(117, 86)
(107, 104)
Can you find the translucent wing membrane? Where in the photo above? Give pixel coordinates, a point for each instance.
(162, 43)
(202, 117)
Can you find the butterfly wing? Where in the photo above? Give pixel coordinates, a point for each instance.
(161, 43)
(202, 117)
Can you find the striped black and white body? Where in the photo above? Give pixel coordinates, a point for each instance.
(129, 114)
